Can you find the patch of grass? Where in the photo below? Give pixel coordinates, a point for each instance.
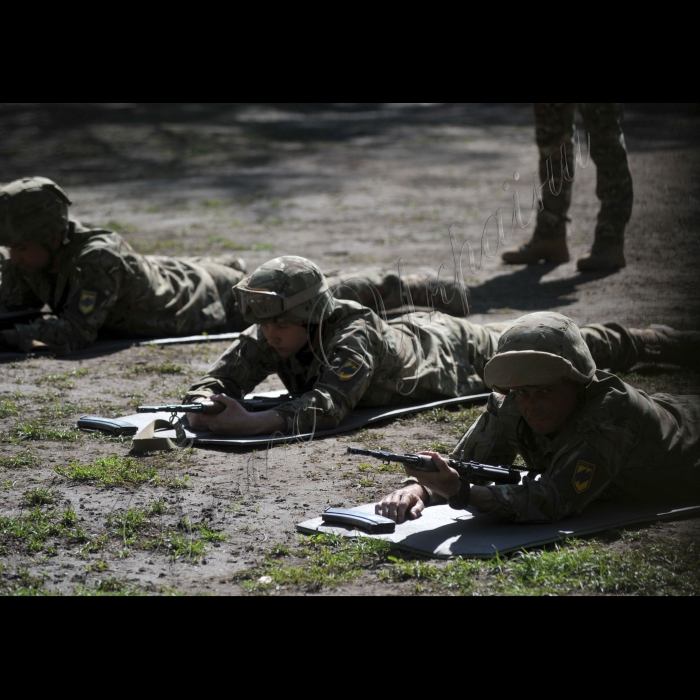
(23, 584)
(63, 381)
(8, 407)
(110, 471)
(158, 507)
(212, 203)
(34, 528)
(23, 460)
(441, 447)
(459, 421)
(165, 368)
(263, 247)
(33, 430)
(58, 411)
(208, 535)
(578, 567)
(111, 587)
(329, 561)
(226, 243)
(120, 227)
(372, 439)
(126, 525)
(40, 496)
(178, 545)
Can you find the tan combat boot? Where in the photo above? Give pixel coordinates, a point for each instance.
(603, 257)
(667, 346)
(549, 250)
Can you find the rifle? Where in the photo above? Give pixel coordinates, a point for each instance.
(9, 318)
(212, 408)
(424, 463)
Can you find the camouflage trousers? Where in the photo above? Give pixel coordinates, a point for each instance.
(380, 289)
(555, 128)
(225, 279)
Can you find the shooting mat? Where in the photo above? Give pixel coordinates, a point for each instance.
(357, 419)
(443, 533)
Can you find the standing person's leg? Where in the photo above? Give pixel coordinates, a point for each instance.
(614, 189)
(554, 129)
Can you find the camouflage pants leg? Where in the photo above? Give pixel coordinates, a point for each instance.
(371, 288)
(554, 128)
(225, 279)
(611, 346)
(380, 289)
(614, 188)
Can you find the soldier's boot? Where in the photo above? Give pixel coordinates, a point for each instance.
(667, 346)
(548, 243)
(447, 296)
(231, 261)
(608, 250)
(548, 250)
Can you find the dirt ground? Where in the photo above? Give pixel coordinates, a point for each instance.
(349, 186)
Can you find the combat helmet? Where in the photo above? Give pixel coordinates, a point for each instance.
(537, 349)
(289, 289)
(33, 210)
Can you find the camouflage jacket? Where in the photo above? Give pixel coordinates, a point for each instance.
(620, 445)
(103, 283)
(361, 361)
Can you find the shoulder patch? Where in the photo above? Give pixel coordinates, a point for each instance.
(583, 476)
(87, 302)
(348, 370)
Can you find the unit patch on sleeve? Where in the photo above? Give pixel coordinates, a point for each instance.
(349, 369)
(87, 302)
(583, 476)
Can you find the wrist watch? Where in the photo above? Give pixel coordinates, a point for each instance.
(461, 500)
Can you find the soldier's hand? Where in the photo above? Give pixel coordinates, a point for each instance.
(405, 504)
(197, 421)
(234, 420)
(444, 482)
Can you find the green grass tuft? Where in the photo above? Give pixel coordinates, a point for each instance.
(33, 430)
(8, 407)
(40, 496)
(23, 460)
(329, 562)
(109, 471)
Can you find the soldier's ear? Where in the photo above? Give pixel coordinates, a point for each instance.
(55, 244)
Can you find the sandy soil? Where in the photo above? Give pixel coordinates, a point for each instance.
(349, 186)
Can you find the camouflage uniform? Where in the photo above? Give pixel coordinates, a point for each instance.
(619, 445)
(555, 128)
(361, 361)
(419, 357)
(104, 284)
(381, 289)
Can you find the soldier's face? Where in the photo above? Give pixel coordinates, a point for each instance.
(30, 257)
(285, 338)
(547, 408)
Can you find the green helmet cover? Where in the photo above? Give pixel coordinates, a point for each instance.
(539, 349)
(294, 290)
(32, 210)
